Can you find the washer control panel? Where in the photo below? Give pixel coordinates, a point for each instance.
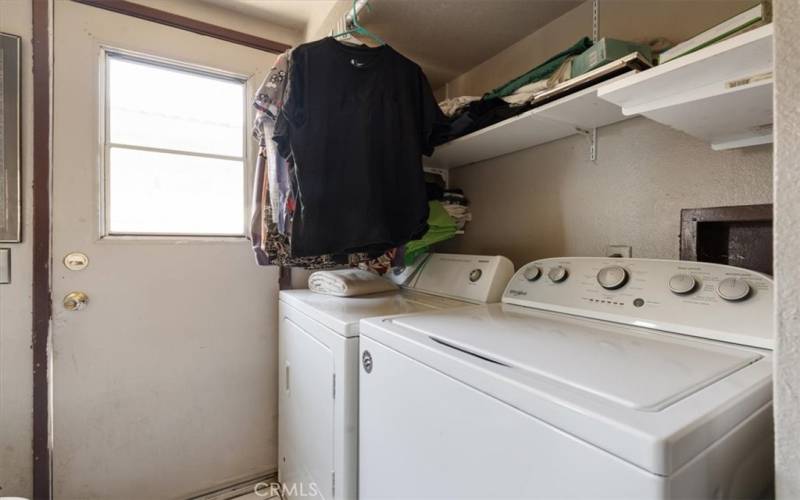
(557, 274)
(612, 277)
(694, 298)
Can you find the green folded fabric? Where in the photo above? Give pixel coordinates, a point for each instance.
(441, 227)
(541, 71)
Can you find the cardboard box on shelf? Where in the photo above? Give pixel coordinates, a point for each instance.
(605, 51)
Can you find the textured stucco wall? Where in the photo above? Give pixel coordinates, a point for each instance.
(552, 200)
(16, 384)
(787, 247)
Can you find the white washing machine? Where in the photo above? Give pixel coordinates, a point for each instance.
(318, 363)
(595, 378)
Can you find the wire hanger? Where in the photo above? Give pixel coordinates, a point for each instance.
(358, 29)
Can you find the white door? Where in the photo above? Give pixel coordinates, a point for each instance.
(165, 384)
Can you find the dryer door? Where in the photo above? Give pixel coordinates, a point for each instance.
(306, 414)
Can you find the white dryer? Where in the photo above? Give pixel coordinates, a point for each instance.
(318, 363)
(595, 378)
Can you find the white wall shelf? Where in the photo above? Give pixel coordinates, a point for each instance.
(554, 120)
(517, 133)
(721, 94)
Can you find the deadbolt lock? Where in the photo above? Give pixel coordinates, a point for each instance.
(75, 301)
(76, 261)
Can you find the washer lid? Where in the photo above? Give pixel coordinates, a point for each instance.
(342, 314)
(632, 367)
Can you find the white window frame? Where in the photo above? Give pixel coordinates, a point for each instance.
(105, 146)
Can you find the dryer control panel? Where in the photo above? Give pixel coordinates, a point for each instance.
(471, 278)
(694, 298)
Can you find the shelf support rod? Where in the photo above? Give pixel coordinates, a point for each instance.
(592, 136)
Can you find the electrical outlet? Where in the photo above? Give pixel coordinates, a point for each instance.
(623, 251)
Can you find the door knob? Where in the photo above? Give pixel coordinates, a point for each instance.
(75, 301)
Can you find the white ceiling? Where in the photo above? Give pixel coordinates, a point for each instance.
(445, 37)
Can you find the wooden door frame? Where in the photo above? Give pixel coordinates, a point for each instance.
(41, 303)
(42, 20)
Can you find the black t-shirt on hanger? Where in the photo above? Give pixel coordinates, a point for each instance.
(358, 121)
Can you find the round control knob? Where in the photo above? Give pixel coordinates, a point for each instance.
(682, 284)
(612, 277)
(557, 274)
(532, 273)
(733, 289)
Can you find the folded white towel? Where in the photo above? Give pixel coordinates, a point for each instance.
(348, 283)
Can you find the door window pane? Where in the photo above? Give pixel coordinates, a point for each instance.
(174, 150)
(158, 107)
(163, 193)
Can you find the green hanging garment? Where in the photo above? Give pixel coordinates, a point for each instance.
(541, 71)
(441, 227)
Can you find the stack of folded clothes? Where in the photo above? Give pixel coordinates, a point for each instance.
(449, 213)
(457, 206)
(441, 227)
(468, 114)
(477, 115)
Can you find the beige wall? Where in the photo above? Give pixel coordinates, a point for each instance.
(552, 200)
(323, 17)
(320, 28)
(787, 248)
(15, 299)
(637, 20)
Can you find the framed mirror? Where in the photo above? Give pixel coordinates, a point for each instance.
(10, 201)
